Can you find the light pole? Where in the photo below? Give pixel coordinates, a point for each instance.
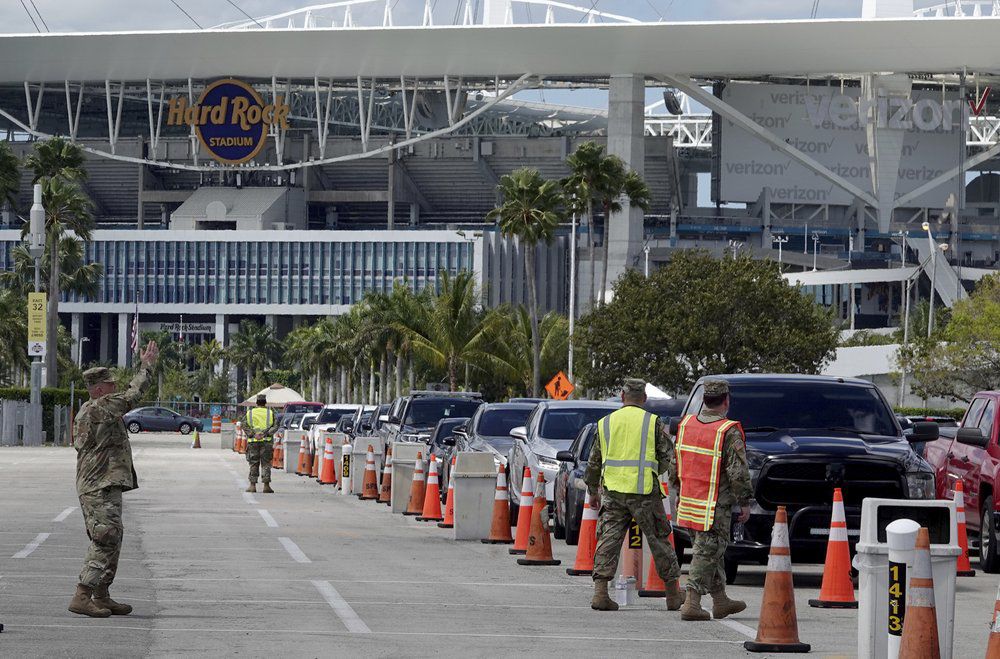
(645, 253)
(735, 246)
(79, 351)
(930, 316)
(572, 296)
(36, 248)
(780, 241)
(815, 238)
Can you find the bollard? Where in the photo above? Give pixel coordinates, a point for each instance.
(901, 536)
(346, 469)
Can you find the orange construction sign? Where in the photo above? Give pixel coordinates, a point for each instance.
(560, 387)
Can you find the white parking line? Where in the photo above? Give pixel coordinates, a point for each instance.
(249, 498)
(31, 546)
(351, 620)
(64, 514)
(267, 518)
(294, 551)
(739, 627)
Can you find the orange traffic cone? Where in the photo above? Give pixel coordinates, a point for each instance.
(385, 493)
(417, 489)
(964, 569)
(654, 584)
(301, 466)
(369, 487)
(778, 629)
(539, 546)
(432, 495)
(500, 527)
(316, 451)
(837, 591)
(920, 632)
(276, 455)
(449, 504)
(584, 564)
(993, 645)
(328, 475)
(524, 507)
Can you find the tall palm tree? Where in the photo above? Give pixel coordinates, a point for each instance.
(13, 336)
(10, 177)
(253, 348)
(513, 350)
(75, 275)
(208, 354)
(56, 157)
(532, 210)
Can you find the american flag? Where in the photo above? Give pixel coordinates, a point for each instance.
(135, 328)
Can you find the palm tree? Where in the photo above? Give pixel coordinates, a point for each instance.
(56, 157)
(531, 210)
(208, 354)
(10, 177)
(13, 336)
(513, 350)
(253, 348)
(75, 275)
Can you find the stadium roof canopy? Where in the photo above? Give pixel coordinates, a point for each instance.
(754, 48)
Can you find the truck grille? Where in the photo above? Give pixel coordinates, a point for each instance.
(801, 483)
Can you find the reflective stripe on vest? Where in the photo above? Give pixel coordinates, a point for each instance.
(699, 467)
(628, 450)
(257, 420)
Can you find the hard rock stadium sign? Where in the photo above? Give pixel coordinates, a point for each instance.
(230, 118)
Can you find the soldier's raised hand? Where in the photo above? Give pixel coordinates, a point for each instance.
(150, 354)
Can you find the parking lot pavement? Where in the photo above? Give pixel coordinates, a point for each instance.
(308, 572)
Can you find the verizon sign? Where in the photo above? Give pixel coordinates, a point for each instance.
(831, 127)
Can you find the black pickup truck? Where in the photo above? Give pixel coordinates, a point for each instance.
(807, 435)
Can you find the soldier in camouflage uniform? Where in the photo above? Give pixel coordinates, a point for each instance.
(707, 572)
(103, 471)
(260, 424)
(617, 509)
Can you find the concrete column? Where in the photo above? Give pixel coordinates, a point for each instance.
(414, 214)
(626, 139)
(220, 336)
(105, 339)
(124, 337)
(76, 331)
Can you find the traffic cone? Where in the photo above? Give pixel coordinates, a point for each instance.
(524, 507)
(584, 564)
(837, 591)
(279, 454)
(778, 629)
(276, 454)
(369, 487)
(300, 467)
(993, 645)
(417, 489)
(432, 495)
(328, 476)
(500, 528)
(964, 569)
(539, 545)
(920, 632)
(654, 584)
(197, 440)
(449, 504)
(317, 458)
(385, 492)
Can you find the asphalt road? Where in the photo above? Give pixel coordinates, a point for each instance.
(305, 572)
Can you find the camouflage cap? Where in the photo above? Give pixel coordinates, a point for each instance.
(97, 375)
(716, 387)
(634, 386)
(261, 400)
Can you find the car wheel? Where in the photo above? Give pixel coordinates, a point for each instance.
(185, 428)
(133, 426)
(732, 568)
(988, 559)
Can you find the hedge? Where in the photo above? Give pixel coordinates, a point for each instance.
(954, 412)
(50, 398)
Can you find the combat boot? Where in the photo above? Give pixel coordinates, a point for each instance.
(722, 606)
(267, 489)
(601, 601)
(84, 605)
(252, 488)
(691, 609)
(674, 596)
(103, 600)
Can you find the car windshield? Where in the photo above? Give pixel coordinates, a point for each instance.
(333, 414)
(423, 413)
(561, 426)
(302, 408)
(809, 405)
(495, 426)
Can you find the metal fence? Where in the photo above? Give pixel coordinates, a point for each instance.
(14, 431)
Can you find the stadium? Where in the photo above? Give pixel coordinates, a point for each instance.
(280, 167)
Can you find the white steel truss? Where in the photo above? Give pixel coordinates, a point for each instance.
(960, 9)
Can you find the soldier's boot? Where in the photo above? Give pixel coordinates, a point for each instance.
(103, 600)
(267, 488)
(85, 606)
(674, 597)
(252, 488)
(722, 606)
(691, 609)
(601, 601)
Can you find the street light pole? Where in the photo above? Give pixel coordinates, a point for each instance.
(815, 238)
(780, 240)
(79, 351)
(36, 248)
(645, 253)
(572, 296)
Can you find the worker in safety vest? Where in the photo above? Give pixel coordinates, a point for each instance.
(632, 448)
(260, 424)
(711, 465)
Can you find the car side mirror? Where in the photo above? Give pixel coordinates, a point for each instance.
(925, 431)
(306, 425)
(971, 437)
(520, 433)
(565, 456)
(675, 424)
(448, 441)
(383, 418)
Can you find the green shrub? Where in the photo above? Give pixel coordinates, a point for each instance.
(955, 412)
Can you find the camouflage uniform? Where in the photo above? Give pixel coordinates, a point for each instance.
(260, 453)
(103, 471)
(707, 572)
(619, 509)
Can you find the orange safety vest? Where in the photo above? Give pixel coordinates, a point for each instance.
(699, 466)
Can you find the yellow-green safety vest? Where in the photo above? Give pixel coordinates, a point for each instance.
(258, 420)
(628, 450)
